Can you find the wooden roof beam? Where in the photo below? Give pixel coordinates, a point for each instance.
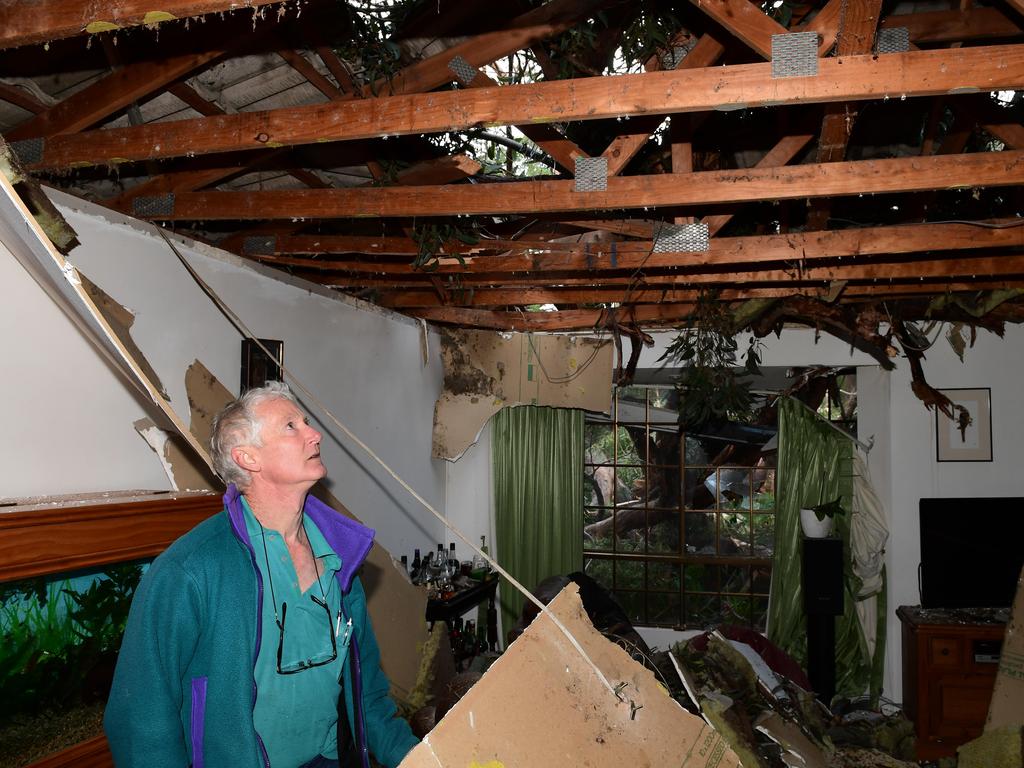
(746, 21)
(110, 94)
(22, 24)
(632, 192)
(552, 18)
(963, 25)
(638, 295)
(20, 97)
(664, 314)
(858, 23)
(536, 258)
(917, 73)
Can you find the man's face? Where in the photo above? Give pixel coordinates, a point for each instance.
(290, 454)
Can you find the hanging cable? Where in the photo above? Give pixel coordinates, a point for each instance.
(244, 330)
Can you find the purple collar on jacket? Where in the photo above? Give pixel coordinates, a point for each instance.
(351, 541)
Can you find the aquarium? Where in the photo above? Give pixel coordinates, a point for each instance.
(61, 635)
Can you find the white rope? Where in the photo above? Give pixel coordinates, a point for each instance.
(241, 326)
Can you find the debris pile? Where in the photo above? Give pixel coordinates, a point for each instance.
(771, 722)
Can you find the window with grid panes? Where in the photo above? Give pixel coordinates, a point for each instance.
(679, 527)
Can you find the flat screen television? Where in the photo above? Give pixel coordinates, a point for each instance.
(972, 551)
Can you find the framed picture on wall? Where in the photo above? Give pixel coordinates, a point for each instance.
(974, 442)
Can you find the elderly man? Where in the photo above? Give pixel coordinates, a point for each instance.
(248, 642)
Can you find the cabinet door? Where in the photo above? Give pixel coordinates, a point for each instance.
(958, 705)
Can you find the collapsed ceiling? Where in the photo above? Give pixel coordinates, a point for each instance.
(851, 164)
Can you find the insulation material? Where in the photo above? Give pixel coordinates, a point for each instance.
(397, 608)
(1007, 705)
(541, 704)
(184, 471)
(485, 370)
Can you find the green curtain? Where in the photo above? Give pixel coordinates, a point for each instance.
(814, 467)
(537, 454)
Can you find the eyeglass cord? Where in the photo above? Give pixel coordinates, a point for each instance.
(266, 557)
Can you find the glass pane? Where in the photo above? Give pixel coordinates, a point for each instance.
(735, 578)
(663, 577)
(60, 638)
(597, 529)
(700, 533)
(764, 535)
(735, 538)
(731, 486)
(762, 579)
(760, 613)
(599, 570)
(630, 533)
(629, 574)
(663, 535)
(701, 578)
(598, 443)
(736, 610)
(629, 483)
(633, 604)
(703, 611)
(597, 486)
(663, 608)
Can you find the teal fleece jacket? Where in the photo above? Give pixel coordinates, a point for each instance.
(184, 691)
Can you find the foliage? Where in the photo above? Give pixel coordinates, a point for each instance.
(59, 643)
(431, 238)
(712, 391)
(828, 509)
(369, 45)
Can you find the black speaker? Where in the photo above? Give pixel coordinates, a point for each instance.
(823, 601)
(823, 576)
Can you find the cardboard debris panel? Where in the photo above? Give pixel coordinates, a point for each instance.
(1007, 705)
(485, 370)
(542, 705)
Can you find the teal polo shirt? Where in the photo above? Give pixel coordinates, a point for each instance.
(296, 715)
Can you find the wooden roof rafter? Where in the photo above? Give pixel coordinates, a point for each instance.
(856, 78)
(22, 24)
(623, 193)
(591, 259)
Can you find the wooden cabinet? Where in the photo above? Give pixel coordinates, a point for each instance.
(949, 668)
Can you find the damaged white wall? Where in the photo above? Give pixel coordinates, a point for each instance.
(70, 429)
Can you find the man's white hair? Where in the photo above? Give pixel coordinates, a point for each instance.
(237, 424)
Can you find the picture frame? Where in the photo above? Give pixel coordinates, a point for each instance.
(975, 444)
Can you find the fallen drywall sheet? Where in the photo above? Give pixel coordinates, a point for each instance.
(542, 705)
(486, 370)
(1007, 705)
(397, 608)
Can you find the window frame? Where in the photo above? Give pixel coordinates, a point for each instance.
(713, 564)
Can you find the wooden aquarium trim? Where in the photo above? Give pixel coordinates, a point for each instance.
(93, 753)
(36, 542)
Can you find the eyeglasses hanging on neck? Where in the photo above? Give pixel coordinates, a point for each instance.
(319, 659)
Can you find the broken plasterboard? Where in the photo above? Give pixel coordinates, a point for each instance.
(1007, 705)
(184, 470)
(486, 370)
(542, 705)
